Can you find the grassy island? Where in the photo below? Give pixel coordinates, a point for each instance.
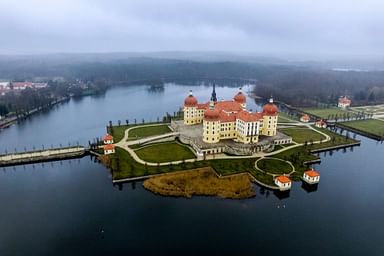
(201, 182)
(156, 160)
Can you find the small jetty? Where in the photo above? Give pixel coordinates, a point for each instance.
(42, 155)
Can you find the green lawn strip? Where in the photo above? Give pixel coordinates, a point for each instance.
(142, 132)
(284, 118)
(373, 126)
(264, 178)
(325, 113)
(301, 135)
(164, 152)
(274, 166)
(118, 131)
(124, 166)
(336, 140)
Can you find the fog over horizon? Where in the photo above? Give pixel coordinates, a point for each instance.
(277, 28)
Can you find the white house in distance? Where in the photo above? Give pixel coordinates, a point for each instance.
(321, 124)
(108, 139)
(109, 149)
(305, 119)
(344, 102)
(283, 182)
(311, 176)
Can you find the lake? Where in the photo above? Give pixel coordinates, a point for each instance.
(61, 208)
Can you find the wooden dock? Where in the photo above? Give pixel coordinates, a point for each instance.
(42, 155)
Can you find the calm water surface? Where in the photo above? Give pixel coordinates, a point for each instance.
(60, 208)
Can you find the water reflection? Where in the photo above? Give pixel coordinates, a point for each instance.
(282, 194)
(309, 187)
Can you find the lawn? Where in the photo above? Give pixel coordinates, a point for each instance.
(118, 131)
(372, 126)
(297, 156)
(124, 166)
(274, 166)
(301, 135)
(165, 152)
(142, 132)
(336, 140)
(284, 118)
(326, 113)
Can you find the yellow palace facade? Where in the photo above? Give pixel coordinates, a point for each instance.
(229, 119)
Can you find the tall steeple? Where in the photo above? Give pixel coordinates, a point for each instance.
(213, 96)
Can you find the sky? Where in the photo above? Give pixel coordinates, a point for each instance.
(276, 27)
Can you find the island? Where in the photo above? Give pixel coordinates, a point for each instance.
(217, 148)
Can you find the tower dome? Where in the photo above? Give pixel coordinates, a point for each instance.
(190, 100)
(270, 108)
(211, 114)
(240, 97)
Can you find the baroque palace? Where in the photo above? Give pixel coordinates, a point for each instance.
(229, 119)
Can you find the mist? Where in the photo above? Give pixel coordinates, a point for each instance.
(279, 28)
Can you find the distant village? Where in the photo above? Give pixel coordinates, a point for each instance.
(6, 87)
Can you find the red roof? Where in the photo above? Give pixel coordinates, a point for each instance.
(321, 122)
(109, 147)
(227, 117)
(312, 173)
(190, 101)
(306, 117)
(228, 106)
(283, 179)
(211, 115)
(270, 109)
(344, 100)
(240, 97)
(108, 137)
(22, 84)
(202, 105)
(249, 116)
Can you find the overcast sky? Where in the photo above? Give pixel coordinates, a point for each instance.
(303, 27)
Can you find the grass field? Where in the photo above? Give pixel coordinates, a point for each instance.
(284, 118)
(373, 126)
(164, 152)
(274, 166)
(142, 132)
(301, 135)
(326, 112)
(336, 140)
(297, 156)
(118, 131)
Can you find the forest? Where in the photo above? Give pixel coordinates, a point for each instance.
(293, 83)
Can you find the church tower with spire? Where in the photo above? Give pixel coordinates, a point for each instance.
(213, 95)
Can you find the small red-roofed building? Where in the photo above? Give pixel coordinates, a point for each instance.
(344, 102)
(283, 182)
(109, 149)
(321, 124)
(311, 176)
(108, 139)
(305, 119)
